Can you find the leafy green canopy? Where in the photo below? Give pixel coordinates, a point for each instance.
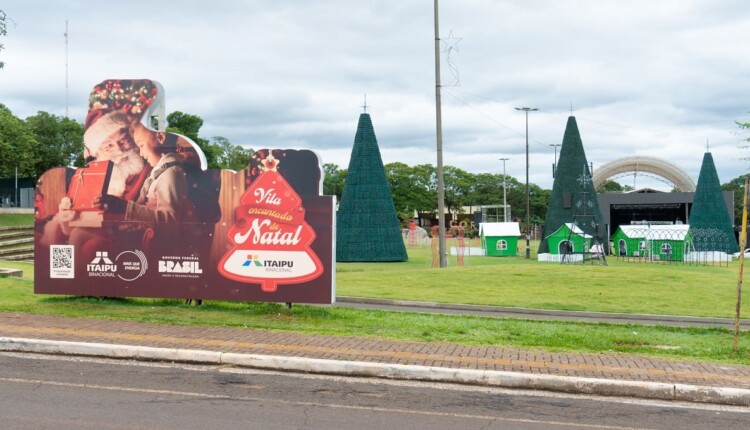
(44, 141)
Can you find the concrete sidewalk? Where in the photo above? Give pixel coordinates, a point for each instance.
(600, 374)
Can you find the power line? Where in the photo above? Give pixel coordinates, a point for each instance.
(606, 123)
(491, 118)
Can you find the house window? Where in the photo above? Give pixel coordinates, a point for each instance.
(502, 245)
(641, 246)
(666, 248)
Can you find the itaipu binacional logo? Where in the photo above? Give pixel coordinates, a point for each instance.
(269, 265)
(127, 265)
(101, 266)
(272, 241)
(252, 260)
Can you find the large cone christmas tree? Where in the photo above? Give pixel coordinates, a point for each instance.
(367, 228)
(573, 195)
(710, 224)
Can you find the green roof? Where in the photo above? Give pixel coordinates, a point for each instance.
(573, 195)
(710, 223)
(367, 227)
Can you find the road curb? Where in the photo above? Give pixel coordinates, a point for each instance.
(566, 384)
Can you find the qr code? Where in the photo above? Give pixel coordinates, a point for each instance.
(62, 257)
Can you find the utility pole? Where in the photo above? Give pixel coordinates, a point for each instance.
(528, 216)
(505, 204)
(66, 68)
(554, 166)
(743, 236)
(439, 124)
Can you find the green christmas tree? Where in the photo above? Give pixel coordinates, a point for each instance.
(573, 195)
(367, 228)
(710, 224)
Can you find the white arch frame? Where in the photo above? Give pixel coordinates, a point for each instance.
(641, 163)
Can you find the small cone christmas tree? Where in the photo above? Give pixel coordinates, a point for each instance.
(270, 240)
(710, 224)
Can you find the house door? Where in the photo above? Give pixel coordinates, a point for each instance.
(565, 247)
(622, 248)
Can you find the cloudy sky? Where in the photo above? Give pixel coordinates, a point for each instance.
(657, 78)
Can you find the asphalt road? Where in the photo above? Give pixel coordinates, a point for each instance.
(45, 392)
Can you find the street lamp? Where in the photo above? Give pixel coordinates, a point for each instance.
(505, 204)
(528, 219)
(439, 127)
(554, 166)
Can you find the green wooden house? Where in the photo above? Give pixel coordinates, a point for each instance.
(500, 238)
(567, 240)
(654, 242)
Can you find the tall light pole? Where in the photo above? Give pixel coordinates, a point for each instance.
(505, 204)
(439, 124)
(554, 168)
(528, 216)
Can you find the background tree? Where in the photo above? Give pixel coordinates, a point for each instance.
(189, 125)
(425, 178)
(487, 189)
(17, 145)
(538, 202)
(609, 186)
(59, 142)
(333, 180)
(233, 157)
(410, 188)
(738, 186)
(3, 32)
(458, 184)
(744, 126)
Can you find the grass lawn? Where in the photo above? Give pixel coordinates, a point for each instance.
(16, 219)
(701, 344)
(667, 289)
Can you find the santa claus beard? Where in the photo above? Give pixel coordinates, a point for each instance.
(128, 164)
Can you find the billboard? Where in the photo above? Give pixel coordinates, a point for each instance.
(146, 218)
